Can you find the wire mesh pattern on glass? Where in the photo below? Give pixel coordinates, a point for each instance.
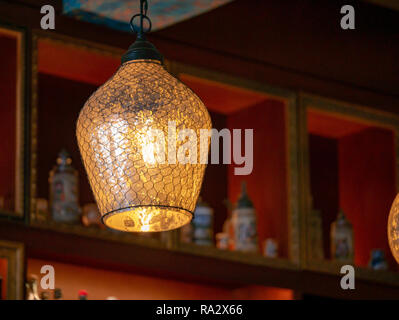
(393, 228)
(135, 192)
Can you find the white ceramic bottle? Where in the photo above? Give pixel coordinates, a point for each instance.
(243, 222)
(63, 182)
(342, 246)
(203, 224)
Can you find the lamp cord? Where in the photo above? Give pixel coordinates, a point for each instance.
(143, 16)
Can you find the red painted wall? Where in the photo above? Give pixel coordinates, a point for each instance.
(367, 188)
(3, 276)
(323, 156)
(214, 187)
(82, 65)
(60, 101)
(8, 78)
(267, 184)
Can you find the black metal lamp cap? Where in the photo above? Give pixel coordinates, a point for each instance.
(142, 49)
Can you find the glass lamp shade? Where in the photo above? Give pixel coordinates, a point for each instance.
(133, 191)
(393, 229)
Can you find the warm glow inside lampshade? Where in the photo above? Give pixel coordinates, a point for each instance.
(393, 229)
(134, 193)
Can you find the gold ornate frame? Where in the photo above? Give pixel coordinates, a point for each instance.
(14, 253)
(19, 197)
(348, 111)
(289, 100)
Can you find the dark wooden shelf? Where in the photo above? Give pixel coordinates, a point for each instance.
(377, 276)
(129, 253)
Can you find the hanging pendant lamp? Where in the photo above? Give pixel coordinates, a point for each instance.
(393, 228)
(133, 193)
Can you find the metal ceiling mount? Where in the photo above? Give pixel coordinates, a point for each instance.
(142, 49)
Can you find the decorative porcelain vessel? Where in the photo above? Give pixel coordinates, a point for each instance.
(377, 260)
(243, 221)
(203, 224)
(63, 182)
(342, 244)
(270, 248)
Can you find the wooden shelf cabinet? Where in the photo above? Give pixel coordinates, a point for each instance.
(301, 149)
(187, 263)
(351, 163)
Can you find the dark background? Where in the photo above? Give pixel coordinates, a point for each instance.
(297, 44)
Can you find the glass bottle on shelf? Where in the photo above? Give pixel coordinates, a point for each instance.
(243, 224)
(63, 183)
(342, 246)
